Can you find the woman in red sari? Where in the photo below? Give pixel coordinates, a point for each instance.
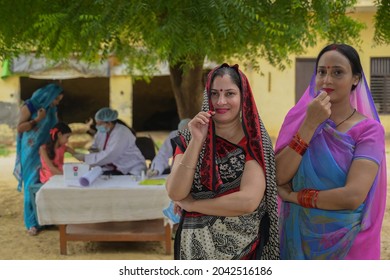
(223, 176)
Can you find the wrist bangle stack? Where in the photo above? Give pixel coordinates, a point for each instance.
(298, 144)
(186, 166)
(308, 198)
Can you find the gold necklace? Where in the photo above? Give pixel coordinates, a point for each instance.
(350, 116)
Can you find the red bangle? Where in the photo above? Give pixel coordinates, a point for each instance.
(297, 147)
(298, 144)
(308, 198)
(315, 199)
(300, 140)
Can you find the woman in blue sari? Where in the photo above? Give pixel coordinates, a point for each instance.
(331, 165)
(37, 116)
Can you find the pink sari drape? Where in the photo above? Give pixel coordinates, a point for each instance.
(367, 242)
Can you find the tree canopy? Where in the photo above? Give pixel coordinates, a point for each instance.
(182, 32)
(382, 22)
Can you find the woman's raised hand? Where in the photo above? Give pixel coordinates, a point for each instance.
(319, 109)
(41, 114)
(198, 126)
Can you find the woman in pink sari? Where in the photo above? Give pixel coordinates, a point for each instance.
(331, 165)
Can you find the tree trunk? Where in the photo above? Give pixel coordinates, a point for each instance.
(188, 88)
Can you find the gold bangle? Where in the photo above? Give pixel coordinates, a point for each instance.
(186, 166)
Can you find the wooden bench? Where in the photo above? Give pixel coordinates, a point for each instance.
(147, 230)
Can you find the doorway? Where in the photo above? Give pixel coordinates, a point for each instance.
(83, 97)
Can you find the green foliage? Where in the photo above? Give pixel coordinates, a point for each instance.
(4, 151)
(382, 22)
(182, 32)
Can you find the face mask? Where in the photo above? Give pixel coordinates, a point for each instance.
(101, 128)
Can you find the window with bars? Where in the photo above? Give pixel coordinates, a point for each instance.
(380, 84)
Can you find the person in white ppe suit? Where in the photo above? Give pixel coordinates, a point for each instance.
(160, 164)
(114, 147)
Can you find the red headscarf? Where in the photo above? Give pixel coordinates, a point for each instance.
(250, 123)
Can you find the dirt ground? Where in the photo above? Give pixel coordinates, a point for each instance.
(15, 244)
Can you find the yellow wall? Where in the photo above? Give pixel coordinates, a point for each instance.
(9, 89)
(121, 92)
(368, 51)
(275, 95)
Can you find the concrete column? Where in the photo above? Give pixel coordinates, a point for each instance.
(121, 97)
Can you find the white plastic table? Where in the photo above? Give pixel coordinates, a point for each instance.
(111, 209)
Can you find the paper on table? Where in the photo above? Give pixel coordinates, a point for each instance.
(153, 182)
(88, 178)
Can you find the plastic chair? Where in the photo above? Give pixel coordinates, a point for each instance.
(146, 146)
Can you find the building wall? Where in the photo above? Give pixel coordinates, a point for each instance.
(121, 97)
(274, 94)
(368, 51)
(154, 105)
(9, 89)
(9, 108)
(274, 90)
